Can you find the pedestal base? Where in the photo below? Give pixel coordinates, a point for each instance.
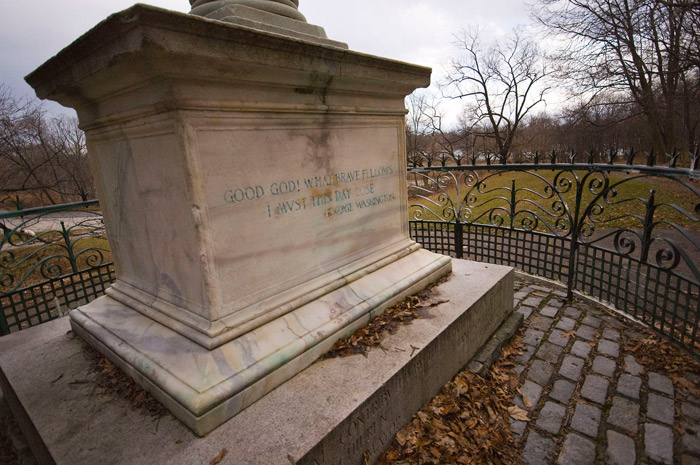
(204, 388)
(333, 412)
(269, 22)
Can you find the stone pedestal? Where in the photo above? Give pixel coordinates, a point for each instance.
(254, 193)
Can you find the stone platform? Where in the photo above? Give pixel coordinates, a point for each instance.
(337, 411)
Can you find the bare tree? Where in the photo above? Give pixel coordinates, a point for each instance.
(629, 52)
(72, 175)
(22, 161)
(691, 27)
(448, 143)
(42, 160)
(501, 82)
(416, 128)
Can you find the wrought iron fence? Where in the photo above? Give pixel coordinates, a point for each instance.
(51, 258)
(623, 233)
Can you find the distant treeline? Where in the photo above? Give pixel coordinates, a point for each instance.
(631, 72)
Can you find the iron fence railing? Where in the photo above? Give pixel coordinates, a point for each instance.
(51, 259)
(625, 234)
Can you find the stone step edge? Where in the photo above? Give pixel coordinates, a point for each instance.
(489, 352)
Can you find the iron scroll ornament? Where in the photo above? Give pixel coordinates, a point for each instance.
(50, 243)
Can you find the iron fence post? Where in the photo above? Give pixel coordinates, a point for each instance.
(459, 239)
(573, 252)
(4, 328)
(573, 264)
(69, 248)
(648, 226)
(513, 205)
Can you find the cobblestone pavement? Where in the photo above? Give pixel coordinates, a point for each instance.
(589, 401)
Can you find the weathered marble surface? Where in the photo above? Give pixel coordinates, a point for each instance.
(203, 387)
(267, 214)
(286, 8)
(276, 16)
(232, 165)
(254, 194)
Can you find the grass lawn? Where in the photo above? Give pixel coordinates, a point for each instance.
(33, 264)
(623, 207)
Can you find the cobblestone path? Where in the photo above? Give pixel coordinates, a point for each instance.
(590, 401)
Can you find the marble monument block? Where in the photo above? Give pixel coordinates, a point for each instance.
(254, 194)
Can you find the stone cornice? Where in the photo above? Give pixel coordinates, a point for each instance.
(224, 51)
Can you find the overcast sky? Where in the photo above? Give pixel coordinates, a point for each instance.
(416, 31)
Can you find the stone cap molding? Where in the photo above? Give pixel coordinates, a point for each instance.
(277, 16)
(188, 48)
(286, 8)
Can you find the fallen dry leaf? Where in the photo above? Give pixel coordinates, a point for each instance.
(111, 381)
(687, 385)
(526, 401)
(219, 457)
(569, 334)
(492, 414)
(403, 313)
(517, 413)
(468, 422)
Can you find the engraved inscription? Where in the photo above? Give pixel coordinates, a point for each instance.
(332, 194)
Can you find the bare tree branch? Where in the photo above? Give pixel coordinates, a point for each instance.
(42, 160)
(645, 49)
(501, 83)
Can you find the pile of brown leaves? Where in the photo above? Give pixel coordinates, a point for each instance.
(467, 423)
(112, 381)
(659, 354)
(371, 335)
